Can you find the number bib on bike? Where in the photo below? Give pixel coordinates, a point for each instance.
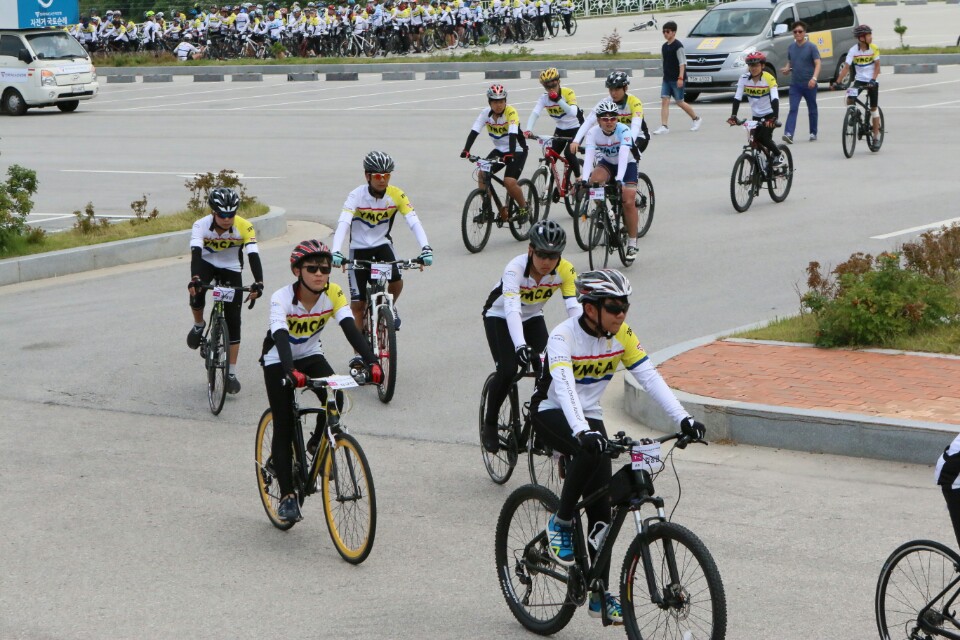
(380, 270)
(646, 457)
(223, 294)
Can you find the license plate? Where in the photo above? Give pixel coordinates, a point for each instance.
(596, 193)
(700, 79)
(77, 88)
(646, 456)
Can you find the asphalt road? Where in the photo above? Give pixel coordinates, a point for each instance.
(130, 511)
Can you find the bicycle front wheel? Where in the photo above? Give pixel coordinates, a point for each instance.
(741, 182)
(692, 601)
(477, 221)
(544, 464)
(349, 500)
(646, 202)
(218, 362)
(599, 239)
(533, 585)
(911, 580)
(781, 181)
(583, 220)
(387, 343)
(850, 132)
(875, 142)
(541, 183)
(267, 484)
(500, 465)
(520, 225)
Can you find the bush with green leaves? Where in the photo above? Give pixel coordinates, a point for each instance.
(202, 184)
(16, 205)
(868, 301)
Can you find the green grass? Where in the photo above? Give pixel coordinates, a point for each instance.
(912, 50)
(118, 231)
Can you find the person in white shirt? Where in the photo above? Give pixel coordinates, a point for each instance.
(186, 50)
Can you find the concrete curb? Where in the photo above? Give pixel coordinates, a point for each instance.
(814, 431)
(914, 68)
(112, 254)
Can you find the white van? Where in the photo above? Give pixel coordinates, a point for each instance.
(43, 68)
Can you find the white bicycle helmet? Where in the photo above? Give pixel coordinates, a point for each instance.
(594, 286)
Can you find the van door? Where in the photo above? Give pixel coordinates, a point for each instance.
(781, 42)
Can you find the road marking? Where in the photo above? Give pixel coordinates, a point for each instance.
(938, 104)
(932, 225)
(182, 174)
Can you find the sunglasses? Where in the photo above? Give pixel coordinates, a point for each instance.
(616, 309)
(608, 118)
(380, 176)
(313, 268)
(226, 215)
(798, 30)
(551, 85)
(546, 255)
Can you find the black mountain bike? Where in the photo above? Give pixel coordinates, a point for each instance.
(483, 206)
(338, 470)
(858, 124)
(215, 344)
(670, 587)
(600, 229)
(917, 593)
(750, 171)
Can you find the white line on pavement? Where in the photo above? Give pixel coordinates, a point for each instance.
(932, 225)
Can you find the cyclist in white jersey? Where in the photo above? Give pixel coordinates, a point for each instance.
(864, 57)
(761, 90)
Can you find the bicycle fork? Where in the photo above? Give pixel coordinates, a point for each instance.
(673, 595)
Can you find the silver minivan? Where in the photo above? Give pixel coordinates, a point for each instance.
(716, 47)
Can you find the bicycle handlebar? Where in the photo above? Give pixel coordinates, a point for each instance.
(621, 442)
(362, 265)
(360, 376)
(206, 287)
(475, 159)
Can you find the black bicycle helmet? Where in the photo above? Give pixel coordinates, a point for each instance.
(224, 200)
(618, 79)
(861, 30)
(594, 286)
(307, 249)
(378, 162)
(547, 235)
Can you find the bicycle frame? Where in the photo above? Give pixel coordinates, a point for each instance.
(923, 620)
(558, 179)
(488, 178)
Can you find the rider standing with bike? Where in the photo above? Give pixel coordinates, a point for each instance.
(761, 90)
(513, 314)
(217, 245)
(368, 215)
(292, 352)
(865, 58)
(561, 104)
(582, 355)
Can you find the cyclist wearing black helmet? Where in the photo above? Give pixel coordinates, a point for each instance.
(513, 313)
(630, 109)
(217, 245)
(864, 58)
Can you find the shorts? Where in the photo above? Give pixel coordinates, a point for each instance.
(515, 166)
(873, 92)
(360, 277)
(669, 89)
(629, 176)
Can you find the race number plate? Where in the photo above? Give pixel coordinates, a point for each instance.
(596, 193)
(223, 294)
(484, 165)
(700, 79)
(341, 382)
(378, 270)
(852, 92)
(646, 456)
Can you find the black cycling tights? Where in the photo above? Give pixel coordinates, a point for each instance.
(764, 135)
(952, 496)
(505, 357)
(231, 310)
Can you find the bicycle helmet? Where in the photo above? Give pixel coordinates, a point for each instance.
(755, 57)
(549, 75)
(861, 30)
(594, 286)
(606, 107)
(224, 200)
(617, 79)
(148, 14)
(308, 249)
(497, 92)
(378, 162)
(547, 235)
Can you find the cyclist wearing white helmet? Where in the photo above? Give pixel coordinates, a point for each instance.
(582, 355)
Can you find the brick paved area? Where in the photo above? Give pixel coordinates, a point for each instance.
(902, 386)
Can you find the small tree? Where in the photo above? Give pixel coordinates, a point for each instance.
(15, 203)
(611, 43)
(900, 29)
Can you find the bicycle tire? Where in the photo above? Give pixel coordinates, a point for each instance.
(573, 26)
(541, 184)
(522, 519)
(569, 199)
(874, 144)
(477, 221)
(741, 182)
(850, 133)
(521, 228)
(646, 203)
(349, 499)
(500, 465)
(218, 359)
(584, 220)
(779, 185)
(543, 463)
(599, 253)
(621, 232)
(267, 485)
(918, 569)
(387, 342)
(694, 608)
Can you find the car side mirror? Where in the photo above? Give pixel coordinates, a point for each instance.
(24, 56)
(780, 29)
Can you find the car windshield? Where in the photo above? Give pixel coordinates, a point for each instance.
(731, 22)
(55, 46)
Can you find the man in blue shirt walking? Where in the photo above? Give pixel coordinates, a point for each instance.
(803, 63)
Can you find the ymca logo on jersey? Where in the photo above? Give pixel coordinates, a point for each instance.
(537, 294)
(302, 328)
(756, 91)
(863, 59)
(591, 369)
(373, 217)
(219, 244)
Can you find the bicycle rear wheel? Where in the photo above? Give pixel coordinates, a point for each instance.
(779, 185)
(694, 604)
(533, 585)
(218, 360)
(387, 342)
(349, 499)
(477, 221)
(741, 182)
(850, 131)
(267, 484)
(646, 203)
(541, 183)
(875, 142)
(599, 240)
(500, 465)
(520, 228)
(544, 465)
(910, 581)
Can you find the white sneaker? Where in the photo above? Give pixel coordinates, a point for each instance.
(663, 129)
(696, 124)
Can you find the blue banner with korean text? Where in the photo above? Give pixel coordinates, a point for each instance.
(41, 14)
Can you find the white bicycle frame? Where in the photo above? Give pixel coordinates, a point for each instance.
(380, 272)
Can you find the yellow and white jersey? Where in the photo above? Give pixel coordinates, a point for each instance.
(579, 366)
(370, 219)
(631, 114)
(222, 250)
(304, 325)
(563, 111)
(863, 61)
(499, 127)
(760, 93)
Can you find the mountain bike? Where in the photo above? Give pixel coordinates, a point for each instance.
(750, 171)
(917, 593)
(554, 180)
(858, 123)
(556, 20)
(479, 214)
(379, 320)
(215, 344)
(642, 26)
(339, 471)
(600, 230)
(669, 583)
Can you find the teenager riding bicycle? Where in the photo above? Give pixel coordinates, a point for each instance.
(864, 57)
(217, 245)
(368, 216)
(509, 146)
(561, 104)
(630, 109)
(761, 90)
(612, 142)
(583, 353)
(513, 313)
(292, 352)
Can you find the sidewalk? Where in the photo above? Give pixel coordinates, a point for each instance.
(873, 403)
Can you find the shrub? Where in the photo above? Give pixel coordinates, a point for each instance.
(15, 204)
(139, 208)
(202, 184)
(936, 254)
(611, 43)
(900, 29)
(87, 223)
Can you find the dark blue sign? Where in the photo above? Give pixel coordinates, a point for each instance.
(40, 14)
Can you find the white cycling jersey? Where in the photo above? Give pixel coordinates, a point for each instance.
(222, 250)
(304, 325)
(369, 220)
